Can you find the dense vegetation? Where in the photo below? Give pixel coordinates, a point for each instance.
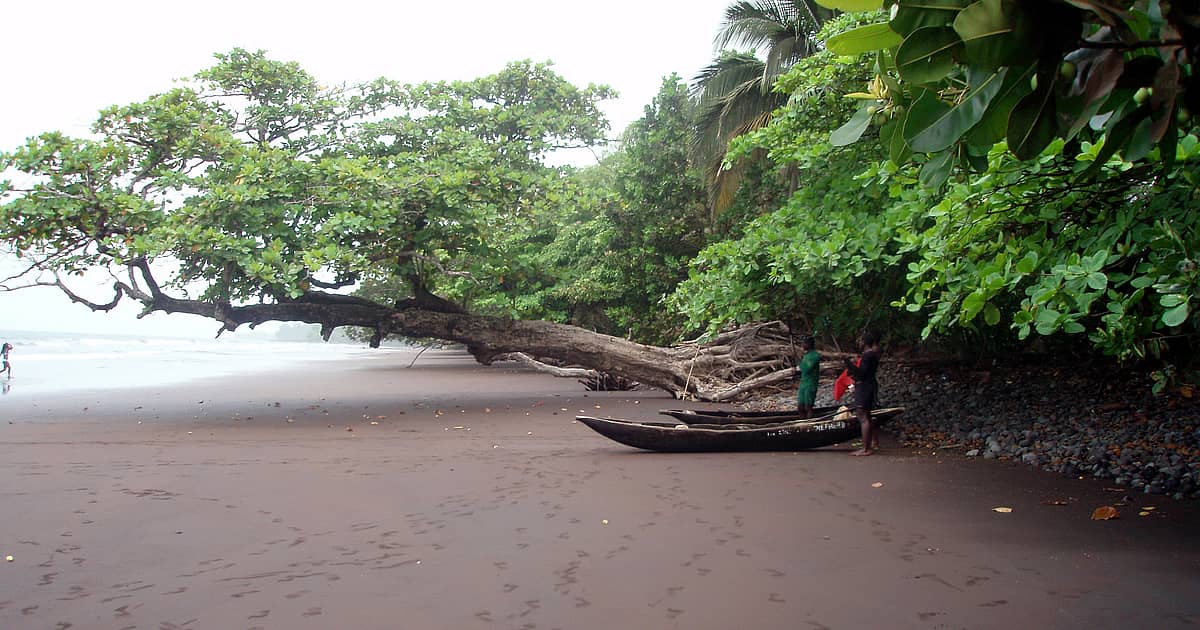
(1025, 190)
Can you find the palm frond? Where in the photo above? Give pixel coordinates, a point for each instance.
(734, 92)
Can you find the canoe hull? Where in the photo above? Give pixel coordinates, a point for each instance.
(682, 438)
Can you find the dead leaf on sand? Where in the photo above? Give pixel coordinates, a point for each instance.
(877, 484)
(1105, 513)
(1002, 510)
(1057, 502)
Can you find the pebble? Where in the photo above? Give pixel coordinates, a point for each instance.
(1105, 424)
(1113, 428)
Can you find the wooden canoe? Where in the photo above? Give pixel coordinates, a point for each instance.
(738, 416)
(797, 435)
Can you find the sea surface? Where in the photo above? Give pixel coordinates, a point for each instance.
(44, 363)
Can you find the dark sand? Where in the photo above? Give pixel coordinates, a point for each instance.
(216, 512)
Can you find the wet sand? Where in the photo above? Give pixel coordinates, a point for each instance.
(452, 495)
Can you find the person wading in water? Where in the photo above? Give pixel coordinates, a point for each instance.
(4, 350)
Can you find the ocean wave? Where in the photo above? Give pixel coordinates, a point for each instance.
(45, 363)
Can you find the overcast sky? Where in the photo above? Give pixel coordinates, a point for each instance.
(67, 60)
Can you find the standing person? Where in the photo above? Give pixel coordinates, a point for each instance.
(809, 368)
(866, 390)
(4, 350)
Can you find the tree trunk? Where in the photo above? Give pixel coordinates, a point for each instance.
(728, 366)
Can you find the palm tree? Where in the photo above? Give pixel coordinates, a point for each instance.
(734, 92)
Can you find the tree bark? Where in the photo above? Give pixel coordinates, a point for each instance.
(730, 365)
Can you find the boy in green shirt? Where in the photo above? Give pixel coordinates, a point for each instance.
(809, 368)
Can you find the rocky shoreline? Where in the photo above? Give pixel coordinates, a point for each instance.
(1105, 424)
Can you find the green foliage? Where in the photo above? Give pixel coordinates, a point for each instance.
(260, 184)
(1102, 68)
(606, 259)
(1080, 243)
(735, 91)
(825, 258)
(659, 215)
(1038, 250)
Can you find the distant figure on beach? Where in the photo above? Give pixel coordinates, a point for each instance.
(866, 390)
(4, 350)
(809, 368)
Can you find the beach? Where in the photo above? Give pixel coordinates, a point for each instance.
(353, 493)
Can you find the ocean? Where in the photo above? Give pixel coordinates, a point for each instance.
(51, 362)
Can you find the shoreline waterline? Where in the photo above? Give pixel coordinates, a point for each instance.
(59, 363)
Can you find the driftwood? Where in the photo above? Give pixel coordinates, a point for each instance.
(602, 382)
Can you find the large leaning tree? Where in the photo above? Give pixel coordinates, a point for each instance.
(252, 193)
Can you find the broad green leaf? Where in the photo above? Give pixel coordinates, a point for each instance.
(991, 314)
(1172, 299)
(927, 54)
(863, 39)
(1097, 281)
(992, 33)
(993, 126)
(1073, 328)
(914, 14)
(1028, 263)
(936, 171)
(1141, 142)
(1032, 124)
(971, 306)
(1043, 295)
(925, 111)
(850, 132)
(852, 5)
(1167, 146)
(1095, 262)
(889, 129)
(1117, 135)
(973, 160)
(950, 124)
(898, 150)
(1176, 316)
(1046, 321)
